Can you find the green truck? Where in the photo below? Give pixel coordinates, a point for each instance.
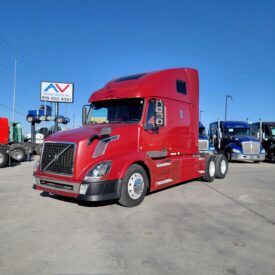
(11, 143)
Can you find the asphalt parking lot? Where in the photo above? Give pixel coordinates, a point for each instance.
(223, 227)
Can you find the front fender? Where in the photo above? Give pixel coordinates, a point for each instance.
(120, 164)
(231, 146)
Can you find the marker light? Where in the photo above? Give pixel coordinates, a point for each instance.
(83, 188)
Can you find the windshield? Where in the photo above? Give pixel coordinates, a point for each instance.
(117, 110)
(202, 130)
(237, 131)
(273, 132)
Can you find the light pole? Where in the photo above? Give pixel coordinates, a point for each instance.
(226, 97)
(14, 87)
(201, 111)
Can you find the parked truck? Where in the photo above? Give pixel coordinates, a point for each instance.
(149, 141)
(11, 143)
(205, 145)
(233, 139)
(265, 132)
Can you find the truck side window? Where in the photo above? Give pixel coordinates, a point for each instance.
(150, 119)
(181, 87)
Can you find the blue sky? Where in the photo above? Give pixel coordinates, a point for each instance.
(231, 43)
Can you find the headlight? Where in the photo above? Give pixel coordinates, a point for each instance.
(263, 151)
(236, 151)
(99, 170)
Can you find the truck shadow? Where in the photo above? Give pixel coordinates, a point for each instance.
(109, 202)
(75, 201)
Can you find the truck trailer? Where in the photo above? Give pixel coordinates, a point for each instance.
(233, 139)
(147, 142)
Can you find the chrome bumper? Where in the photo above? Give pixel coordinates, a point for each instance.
(95, 191)
(58, 185)
(242, 157)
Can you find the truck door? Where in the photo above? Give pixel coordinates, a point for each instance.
(154, 143)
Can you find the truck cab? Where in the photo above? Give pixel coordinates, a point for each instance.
(205, 145)
(233, 139)
(139, 134)
(265, 132)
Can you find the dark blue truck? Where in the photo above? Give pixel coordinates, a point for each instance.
(233, 139)
(265, 131)
(205, 145)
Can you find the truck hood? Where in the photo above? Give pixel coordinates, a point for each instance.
(243, 138)
(86, 131)
(203, 137)
(125, 143)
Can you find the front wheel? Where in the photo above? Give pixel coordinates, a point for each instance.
(272, 157)
(228, 155)
(134, 186)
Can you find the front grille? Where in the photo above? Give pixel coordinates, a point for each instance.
(203, 144)
(251, 148)
(58, 158)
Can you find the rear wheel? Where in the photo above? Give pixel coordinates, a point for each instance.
(134, 186)
(18, 153)
(221, 166)
(3, 158)
(210, 169)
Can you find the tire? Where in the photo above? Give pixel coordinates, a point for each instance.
(228, 155)
(38, 149)
(4, 158)
(30, 118)
(272, 157)
(210, 169)
(134, 186)
(221, 166)
(18, 153)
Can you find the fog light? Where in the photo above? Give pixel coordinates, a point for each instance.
(83, 189)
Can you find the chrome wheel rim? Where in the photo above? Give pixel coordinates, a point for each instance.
(17, 155)
(1, 158)
(135, 186)
(212, 169)
(223, 166)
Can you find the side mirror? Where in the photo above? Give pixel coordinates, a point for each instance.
(85, 111)
(159, 111)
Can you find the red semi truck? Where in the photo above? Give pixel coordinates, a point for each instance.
(148, 140)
